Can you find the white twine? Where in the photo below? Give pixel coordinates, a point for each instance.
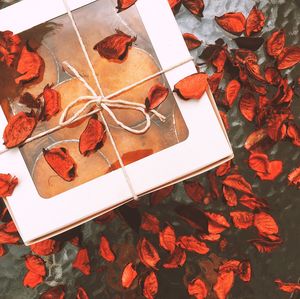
(103, 103)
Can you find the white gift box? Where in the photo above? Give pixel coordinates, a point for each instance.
(207, 145)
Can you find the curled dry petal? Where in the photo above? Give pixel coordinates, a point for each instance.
(229, 266)
(9, 47)
(54, 293)
(197, 288)
(150, 223)
(255, 21)
(242, 220)
(248, 106)
(167, 238)
(8, 184)
(175, 5)
(275, 43)
(196, 7)
(232, 91)
(92, 137)
(219, 60)
(224, 284)
(230, 196)
(264, 245)
(265, 224)
(190, 243)
(82, 261)
(293, 133)
(61, 162)
(147, 253)
(35, 264)
(18, 129)
(81, 293)
(128, 276)
(272, 75)
(256, 140)
(217, 223)
(253, 203)
(46, 247)
(287, 287)
(150, 288)
(156, 95)
(51, 102)
(233, 22)
(214, 81)
(289, 57)
(125, 4)
(30, 65)
(294, 177)
(32, 279)
(158, 196)
(245, 271)
(194, 190)
(191, 41)
(192, 87)
(236, 181)
(176, 260)
(115, 47)
(224, 169)
(105, 250)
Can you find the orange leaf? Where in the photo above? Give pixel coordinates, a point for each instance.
(30, 65)
(176, 260)
(167, 239)
(287, 287)
(192, 87)
(224, 284)
(275, 43)
(191, 41)
(289, 57)
(236, 181)
(233, 22)
(232, 91)
(150, 286)
(105, 250)
(115, 47)
(92, 137)
(265, 224)
(8, 184)
(61, 162)
(198, 289)
(156, 95)
(125, 4)
(147, 253)
(82, 262)
(255, 21)
(196, 7)
(128, 276)
(18, 129)
(150, 223)
(190, 243)
(242, 220)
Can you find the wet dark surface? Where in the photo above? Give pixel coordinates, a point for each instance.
(283, 263)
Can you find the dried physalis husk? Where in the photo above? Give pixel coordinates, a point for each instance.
(115, 47)
(124, 4)
(7, 184)
(30, 65)
(192, 87)
(156, 95)
(18, 129)
(61, 162)
(233, 22)
(92, 137)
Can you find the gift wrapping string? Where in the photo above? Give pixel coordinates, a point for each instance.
(103, 102)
